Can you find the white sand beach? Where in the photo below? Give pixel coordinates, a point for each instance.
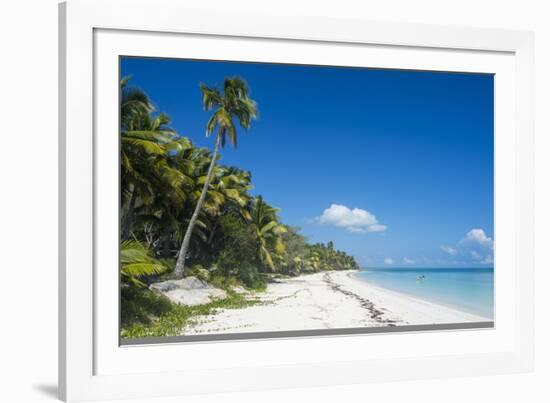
(327, 300)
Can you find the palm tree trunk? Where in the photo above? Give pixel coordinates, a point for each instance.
(129, 216)
(180, 264)
(211, 235)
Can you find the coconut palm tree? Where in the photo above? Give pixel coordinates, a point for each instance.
(195, 164)
(231, 105)
(234, 184)
(132, 100)
(157, 218)
(146, 142)
(267, 230)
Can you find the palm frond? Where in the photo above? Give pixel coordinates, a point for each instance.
(147, 146)
(211, 97)
(142, 269)
(268, 227)
(136, 261)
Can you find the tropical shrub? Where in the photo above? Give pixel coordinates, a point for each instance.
(238, 244)
(250, 277)
(199, 272)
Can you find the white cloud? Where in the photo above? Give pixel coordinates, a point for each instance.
(377, 228)
(450, 250)
(388, 260)
(477, 245)
(477, 237)
(475, 255)
(353, 220)
(406, 260)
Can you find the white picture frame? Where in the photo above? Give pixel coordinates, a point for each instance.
(92, 365)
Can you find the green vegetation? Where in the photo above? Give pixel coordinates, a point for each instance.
(183, 213)
(174, 317)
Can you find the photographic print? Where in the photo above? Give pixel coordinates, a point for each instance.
(262, 199)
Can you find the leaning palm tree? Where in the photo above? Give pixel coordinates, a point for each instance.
(195, 164)
(233, 104)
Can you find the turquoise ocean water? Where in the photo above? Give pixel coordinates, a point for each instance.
(470, 290)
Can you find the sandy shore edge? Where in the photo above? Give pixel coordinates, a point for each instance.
(327, 300)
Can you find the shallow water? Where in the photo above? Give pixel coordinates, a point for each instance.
(470, 290)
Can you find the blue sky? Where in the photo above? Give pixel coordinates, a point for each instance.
(395, 167)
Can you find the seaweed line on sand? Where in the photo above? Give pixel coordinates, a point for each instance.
(375, 314)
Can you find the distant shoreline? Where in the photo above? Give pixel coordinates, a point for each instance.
(327, 300)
